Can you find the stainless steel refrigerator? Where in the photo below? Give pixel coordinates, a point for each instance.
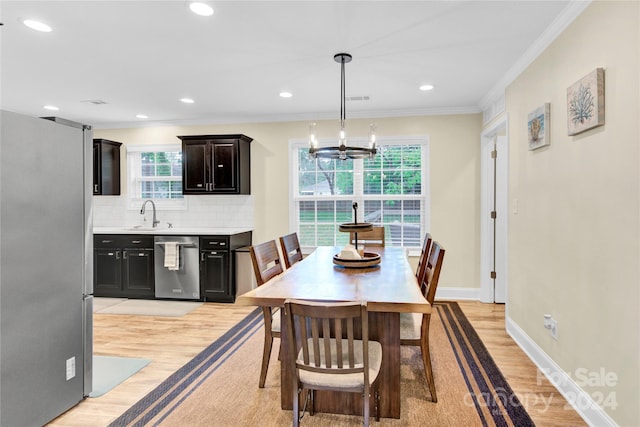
(46, 277)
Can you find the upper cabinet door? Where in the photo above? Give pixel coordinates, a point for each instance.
(106, 167)
(195, 167)
(224, 166)
(97, 169)
(216, 164)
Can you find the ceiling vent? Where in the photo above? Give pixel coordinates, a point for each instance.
(94, 102)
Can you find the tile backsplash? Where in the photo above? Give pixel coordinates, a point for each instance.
(201, 211)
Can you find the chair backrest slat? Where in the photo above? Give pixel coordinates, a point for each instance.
(302, 327)
(326, 340)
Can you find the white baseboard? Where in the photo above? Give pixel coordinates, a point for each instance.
(580, 400)
(458, 294)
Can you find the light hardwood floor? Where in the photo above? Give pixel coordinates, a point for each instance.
(170, 342)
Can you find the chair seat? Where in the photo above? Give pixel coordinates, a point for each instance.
(410, 324)
(275, 320)
(346, 381)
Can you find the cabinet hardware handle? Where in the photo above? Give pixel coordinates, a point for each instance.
(95, 188)
(117, 254)
(202, 256)
(135, 241)
(107, 241)
(220, 166)
(110, 253)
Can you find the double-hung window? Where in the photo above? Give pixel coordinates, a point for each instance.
(390, 190)
(155, 172)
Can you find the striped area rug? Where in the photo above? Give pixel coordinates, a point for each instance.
(219, 387)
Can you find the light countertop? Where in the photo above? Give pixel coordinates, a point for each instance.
(163, 230)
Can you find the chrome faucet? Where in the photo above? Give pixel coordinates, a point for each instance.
(153, 205)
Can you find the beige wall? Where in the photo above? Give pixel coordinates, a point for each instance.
(574, 244)
(454, 148)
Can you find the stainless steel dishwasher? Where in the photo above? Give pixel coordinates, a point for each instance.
(184, 281)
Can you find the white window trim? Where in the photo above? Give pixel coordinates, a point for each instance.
(297, 143)
(134, 203)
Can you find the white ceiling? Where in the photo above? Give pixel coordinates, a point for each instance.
(143, 56)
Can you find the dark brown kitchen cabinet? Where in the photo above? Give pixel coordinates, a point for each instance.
(123, 266)
(106, 167)
(217, 264)
(216, 164)
(214, 276)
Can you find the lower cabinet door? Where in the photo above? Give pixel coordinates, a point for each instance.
(138, 273)
(107, 272)
(214, 276)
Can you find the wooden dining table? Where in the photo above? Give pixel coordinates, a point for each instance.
(390, 288)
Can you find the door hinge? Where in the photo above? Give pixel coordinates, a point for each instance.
(493, 274)
(494, 154)
(493, 214)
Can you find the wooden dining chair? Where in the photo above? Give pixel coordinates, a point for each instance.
(325, 353)
(266, 265)
(291, 251)
(414, 327)
(373, 238)
(424, 257)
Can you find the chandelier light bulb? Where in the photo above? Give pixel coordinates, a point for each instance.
(313, 139)
(372, 135)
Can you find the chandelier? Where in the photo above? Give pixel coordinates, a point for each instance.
(342, 151)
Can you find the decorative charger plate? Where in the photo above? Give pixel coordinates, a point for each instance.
(370, 259)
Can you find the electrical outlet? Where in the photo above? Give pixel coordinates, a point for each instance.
(552, 325)
(554, 328)
(71, 368)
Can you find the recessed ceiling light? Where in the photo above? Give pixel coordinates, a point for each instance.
(142, 116)
(187, 100)
(36, 25)
(426, 87)
(51, 108)
(286, 94)
(201, 9)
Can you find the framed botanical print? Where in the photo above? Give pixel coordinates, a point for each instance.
(585, 103)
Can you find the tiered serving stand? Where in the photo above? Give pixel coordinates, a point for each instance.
(368, 259)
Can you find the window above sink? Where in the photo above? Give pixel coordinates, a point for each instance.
(155, 172)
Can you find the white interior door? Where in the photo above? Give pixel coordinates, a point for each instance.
(493, 233)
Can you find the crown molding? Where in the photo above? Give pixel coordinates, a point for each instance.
(224, 120)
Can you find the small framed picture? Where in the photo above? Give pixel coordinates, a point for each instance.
(585, 103)
(538, 127)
